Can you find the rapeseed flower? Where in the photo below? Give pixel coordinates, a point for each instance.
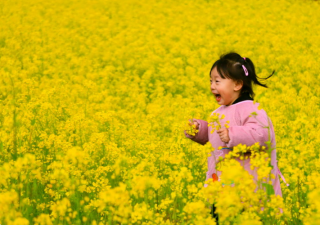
(92, 104)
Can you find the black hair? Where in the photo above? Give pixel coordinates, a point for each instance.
(230, 66)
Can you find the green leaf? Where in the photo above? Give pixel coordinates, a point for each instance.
(270, 165)
(269, 189)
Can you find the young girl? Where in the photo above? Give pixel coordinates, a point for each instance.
(232, 77)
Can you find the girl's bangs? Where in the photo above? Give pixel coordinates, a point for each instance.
(223, 70)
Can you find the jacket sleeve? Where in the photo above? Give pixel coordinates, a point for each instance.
(202, 136)
(253, 129)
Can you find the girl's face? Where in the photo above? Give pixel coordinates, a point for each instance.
(226, 91)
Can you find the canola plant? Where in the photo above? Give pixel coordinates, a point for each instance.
(95, 95)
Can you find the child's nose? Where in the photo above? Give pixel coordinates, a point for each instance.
(213, 86)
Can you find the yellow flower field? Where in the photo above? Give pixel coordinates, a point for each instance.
(95, 95)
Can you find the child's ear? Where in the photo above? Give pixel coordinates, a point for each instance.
(238, 85)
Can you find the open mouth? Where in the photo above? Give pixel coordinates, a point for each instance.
(218, 97)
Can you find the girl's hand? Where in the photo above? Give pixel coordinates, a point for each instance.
(224, 135)
(194, 122)
(192, 127)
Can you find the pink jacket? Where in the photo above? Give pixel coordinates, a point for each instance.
(243, 130)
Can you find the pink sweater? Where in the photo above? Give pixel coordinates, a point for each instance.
(243, 130)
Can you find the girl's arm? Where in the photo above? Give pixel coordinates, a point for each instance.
(202, 136)
(254, 129)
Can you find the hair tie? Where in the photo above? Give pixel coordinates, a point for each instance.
(245, 70)
(244, 58)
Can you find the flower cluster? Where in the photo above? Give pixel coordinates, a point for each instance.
(215, 122)
(191, 129)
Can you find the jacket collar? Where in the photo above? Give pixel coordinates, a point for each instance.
(243, 97)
